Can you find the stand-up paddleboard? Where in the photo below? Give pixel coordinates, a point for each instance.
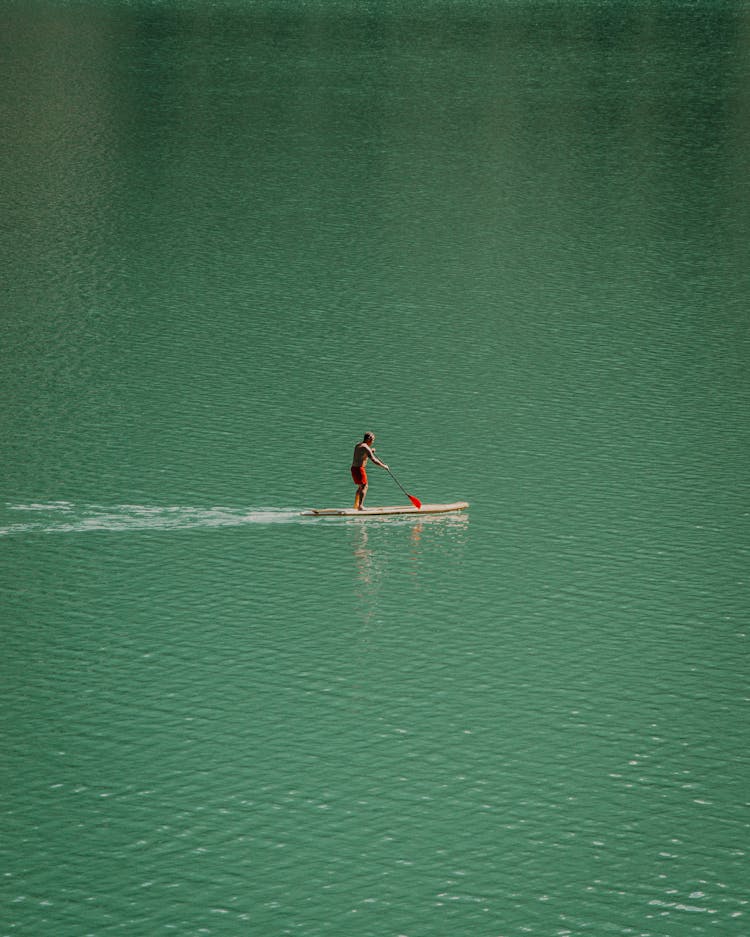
(379, 512)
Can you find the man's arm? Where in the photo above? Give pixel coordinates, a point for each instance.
(371, 453)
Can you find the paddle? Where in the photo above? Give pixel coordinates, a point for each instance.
(415, 501)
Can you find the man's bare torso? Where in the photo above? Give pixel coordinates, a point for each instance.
(361, 454)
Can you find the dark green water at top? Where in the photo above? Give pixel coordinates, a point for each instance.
(511, 239)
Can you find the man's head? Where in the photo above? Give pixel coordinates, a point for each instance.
(369, 438)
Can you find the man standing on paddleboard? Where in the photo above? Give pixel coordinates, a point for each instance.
(362, 452)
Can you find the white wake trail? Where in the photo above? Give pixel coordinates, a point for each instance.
(66, 517)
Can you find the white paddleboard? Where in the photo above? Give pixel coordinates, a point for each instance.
(379, 512)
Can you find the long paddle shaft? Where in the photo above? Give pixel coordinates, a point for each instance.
(415, 501)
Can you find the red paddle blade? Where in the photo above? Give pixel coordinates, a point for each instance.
(415, 501)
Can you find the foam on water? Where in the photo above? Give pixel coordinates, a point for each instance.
(65, 517)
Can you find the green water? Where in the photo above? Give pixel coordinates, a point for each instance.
(510, 238)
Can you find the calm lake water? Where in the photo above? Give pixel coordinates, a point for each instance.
(511, 238)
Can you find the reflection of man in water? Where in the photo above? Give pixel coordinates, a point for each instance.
(362, 452)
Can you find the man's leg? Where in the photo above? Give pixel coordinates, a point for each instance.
(359, 500)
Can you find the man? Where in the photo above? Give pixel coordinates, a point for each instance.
(362, 452)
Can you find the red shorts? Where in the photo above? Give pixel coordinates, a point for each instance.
(359, 475)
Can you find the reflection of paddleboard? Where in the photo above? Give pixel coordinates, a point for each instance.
(398, 509)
